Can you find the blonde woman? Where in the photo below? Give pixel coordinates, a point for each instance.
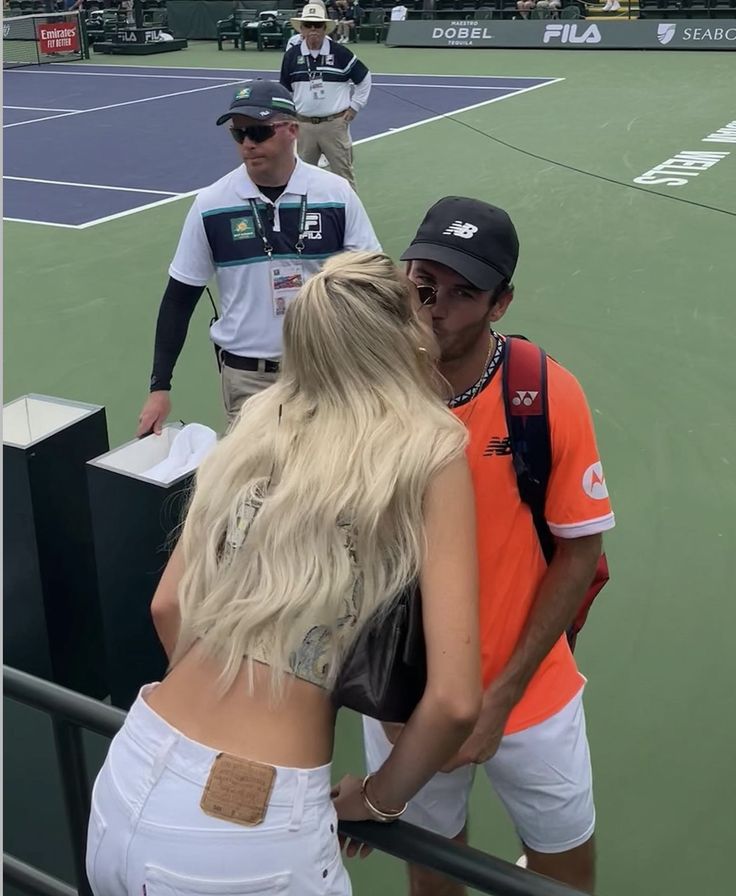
(335, 488)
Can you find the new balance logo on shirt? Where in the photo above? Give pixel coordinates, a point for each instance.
(498, 447)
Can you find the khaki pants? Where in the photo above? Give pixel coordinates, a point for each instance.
(331, 138)
(237, 385)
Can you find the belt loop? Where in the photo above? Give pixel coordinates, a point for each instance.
(261, 365)
(297, 810)
(162, 757)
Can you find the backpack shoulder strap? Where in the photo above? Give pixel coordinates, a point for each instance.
(524, 379)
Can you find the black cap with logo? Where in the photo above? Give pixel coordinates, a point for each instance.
(260, 100)
(473, 238)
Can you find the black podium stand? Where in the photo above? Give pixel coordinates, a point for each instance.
(134, 521)
(51, 612)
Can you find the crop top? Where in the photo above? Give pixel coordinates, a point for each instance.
(310, 661)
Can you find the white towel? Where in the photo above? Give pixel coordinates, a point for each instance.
(189, 448)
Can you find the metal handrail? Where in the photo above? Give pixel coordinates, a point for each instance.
(71, 711)
(31, 880)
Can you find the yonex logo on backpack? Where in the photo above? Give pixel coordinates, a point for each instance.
(524, 397)
(461, 229)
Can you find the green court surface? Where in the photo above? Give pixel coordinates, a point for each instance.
(634, 292)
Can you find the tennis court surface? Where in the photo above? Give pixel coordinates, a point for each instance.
(628, 283)
(84, 144)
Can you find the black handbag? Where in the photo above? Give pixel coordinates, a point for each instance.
(384, 674)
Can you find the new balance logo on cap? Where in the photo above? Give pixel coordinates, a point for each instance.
(458, 228)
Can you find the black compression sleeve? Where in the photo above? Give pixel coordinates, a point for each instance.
(177, 306)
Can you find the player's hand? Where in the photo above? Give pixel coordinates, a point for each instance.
(486, 737)
(153, 416)
(350, 115)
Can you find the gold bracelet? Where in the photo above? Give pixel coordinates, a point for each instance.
(377, 814)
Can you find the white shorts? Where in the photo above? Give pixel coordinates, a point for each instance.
(148, 834)
(542, 775)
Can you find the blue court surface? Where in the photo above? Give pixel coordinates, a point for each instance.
(85, 144)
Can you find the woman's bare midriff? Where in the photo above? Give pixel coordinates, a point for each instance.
(297, 730)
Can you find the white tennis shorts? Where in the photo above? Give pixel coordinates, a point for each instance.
(542, 775)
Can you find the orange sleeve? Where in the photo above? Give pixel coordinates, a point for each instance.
(577, 496)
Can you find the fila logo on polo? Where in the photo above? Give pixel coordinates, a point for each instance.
(524, 397)
(314, 226)
(594, 482)
(461, 229)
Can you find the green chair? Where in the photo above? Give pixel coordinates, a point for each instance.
(271, 34)
(570, 12)
(372, 25)
(229, 29)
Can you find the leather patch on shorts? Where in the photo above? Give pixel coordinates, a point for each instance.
(238, 790)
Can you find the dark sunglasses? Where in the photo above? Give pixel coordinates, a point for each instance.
(427, 295)
(313, 24)
(256, 133)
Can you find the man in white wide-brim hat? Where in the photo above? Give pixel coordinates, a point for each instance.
(313, 12)
(330, 86)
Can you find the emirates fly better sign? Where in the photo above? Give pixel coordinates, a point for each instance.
(60, 37)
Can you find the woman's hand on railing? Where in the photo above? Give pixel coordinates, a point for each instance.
(349, 804)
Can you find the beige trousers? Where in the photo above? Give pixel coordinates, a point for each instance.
(237, 385)
(331, 138)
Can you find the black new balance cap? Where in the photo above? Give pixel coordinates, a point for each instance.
(473, 238)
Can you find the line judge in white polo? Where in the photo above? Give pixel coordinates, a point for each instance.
(261, 231)
(330, 86)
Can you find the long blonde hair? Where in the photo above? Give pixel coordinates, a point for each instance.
(323, 472)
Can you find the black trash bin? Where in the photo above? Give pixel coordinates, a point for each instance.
(52, 624)
(135, 520)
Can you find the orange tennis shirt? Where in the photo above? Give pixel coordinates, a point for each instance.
(511, 562)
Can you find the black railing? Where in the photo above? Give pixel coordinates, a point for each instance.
(71, 712)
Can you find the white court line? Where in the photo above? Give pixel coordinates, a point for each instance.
(257, 71)
(38, 109)
(416, 124)
(69, 183)
(43, 223)
(27, 71)
(145, 99)
(139, 208)
(444, 86)
(407, 127)
(496, 99)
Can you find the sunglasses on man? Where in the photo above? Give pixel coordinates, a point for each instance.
(256, 133)
(427, 295)
(313, 24)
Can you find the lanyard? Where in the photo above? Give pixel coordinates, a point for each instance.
(261, 230)
(312, 61)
